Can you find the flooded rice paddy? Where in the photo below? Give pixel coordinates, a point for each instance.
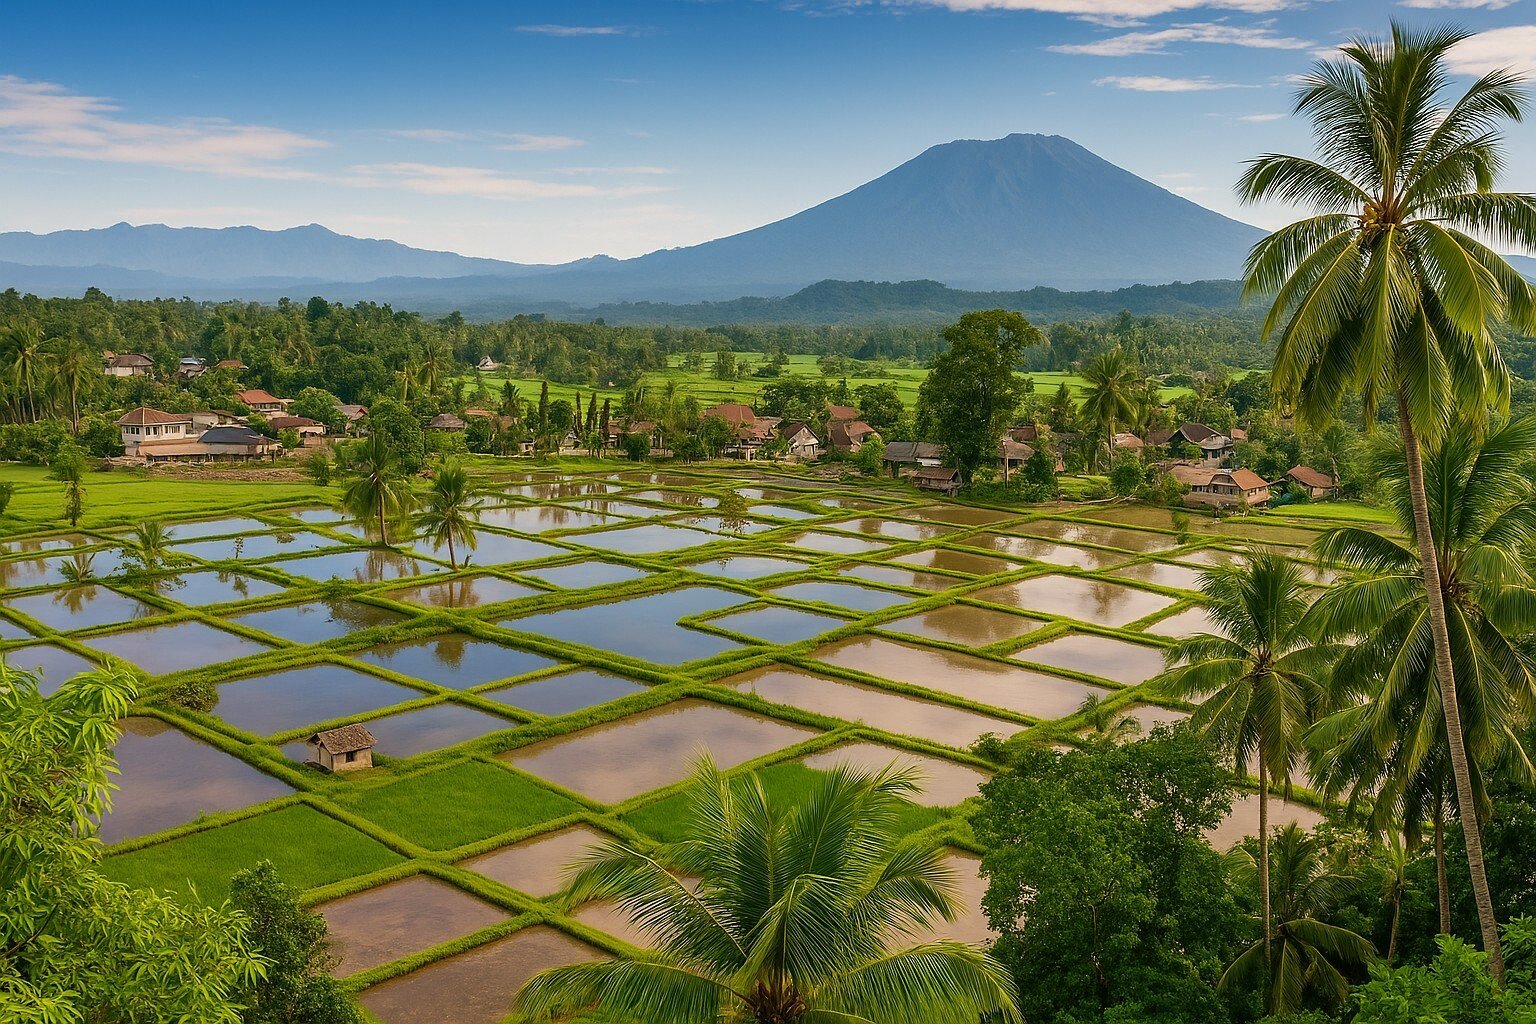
(197, 589)
(1077, 597)
(317, 621)
(454, 660)
(81, 607)
(947, 560)
(52, 664)
(408, 733)
(842, 595)
(640, 627)
(584, 575)
(464, 592)
(1100, 656)
(175, 647)
(900, 576)
(965, 625)
(747, 567)
(569, 691)
(942, 783)
(777, 625)
(396, 919)
(280, 701)
(538, 866)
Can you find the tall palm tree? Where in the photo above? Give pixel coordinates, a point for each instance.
(1105, 724)
(28, 359)
(1261, 678)
(447, 513)
(1310, 957)
(798, 917)
(1385, 290)
(376, 491)
(1389, 862)
(1112, 393)
(1390, 741)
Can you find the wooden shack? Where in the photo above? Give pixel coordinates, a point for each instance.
(342, 750)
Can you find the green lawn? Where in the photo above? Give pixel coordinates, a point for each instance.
(308, 848)
(456, 805)
(1343, 511)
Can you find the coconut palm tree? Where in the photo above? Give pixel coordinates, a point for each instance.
(28, 360)
(1389, 742)
(1387, 290)
(376, 490)
(73, 368)
(798, 917)
(447, 513)
(1112, 393)
(1262, 678)
(1309, 957)
(1104, 723)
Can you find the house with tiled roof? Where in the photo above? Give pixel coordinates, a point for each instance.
(942, 479)
(264, 402)
(903, 458)
(803, 443)
(129, 364)
(347, 748)
(1314, 482)
(1221, 488)
(141, 425)
(302, 425)
(841, 413)
(849, 436)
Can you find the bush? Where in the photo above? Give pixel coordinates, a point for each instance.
(319, 466)
(289, 438)
(1127, 474)
(7, 492)
(635, 447)
(194, 696)
(36, 444)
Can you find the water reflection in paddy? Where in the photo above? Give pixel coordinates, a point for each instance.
(900, 576)
(454, 660)
(643, 540)
(37, 545)
(944, 783)
(280, 701)
(394, 920)
(896, 529)
(854, 702)
(841, 595)
(539, 518)
(858, 504)
(561, 489)
(977, 679)
(1188, 622)
(1045, 550)
(1250, 529)
(1163, 574)
(175, 647)
(317, 621)
(691, 499)
(957, 561)
(1151, 518)
(833, 543)
(495, 549)
(465, 592)
(965, 625)
(13, 631)
(409, 733)
(777, 625)
(54, 664)
(1150, 716)
(1104, 536)
(581, 575)
(37, 572)
(609, 507)
(254, 545)
(1097, 656)
(537, 866)
(476, 987)
(221, 527)
(361, 565)
(314, 514)
(168, 778)
(960, 515)
(210, 587)
(569, 691)
(747, 567)
(1243, 820)
(733, 526)
(618, 760)
(641, 627)
(784, 512)
(81, 607)
(1107, 604)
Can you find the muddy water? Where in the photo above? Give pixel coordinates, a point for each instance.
(906, 716)
(841, 595)
(1151, 518)
(1107, 604)
(581, 575)
(688, 499)
(609, 507)
(35, 545)
(54, 663)
(168, 779)
(977, 679)
(397, 919)
(834, 544)
(317, 621)
(281, 701)
(468, 592)
(778, 625)
(1163, 574)
(644, 540)
(964, 624)
(476, 987)
(415, 732)
(1190, 621)
(81, 607)
(1098, 656)
(1045, 550)
(968, 889)
(360, 565)
(561, 489)
(784, 512)
(181, 645)
(961, 515)
(1106, 536)
(730, 526)
(861, 504)
(539, 518)
(255, 545)
(494, 549)
(618, 760)
(943, 783)
(204, 588)
(454, 660)
(1244, 819)
(896, 529)
(1150, 716)
(641, 627)
(537, 866)
(747, 567)
(1211, 556)
(566, 692)
(900, 576)
(957, 561)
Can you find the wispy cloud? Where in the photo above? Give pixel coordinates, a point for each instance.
(44, 119)
(1459, 5)
(1137, 43)
(433, 134)
(481, 183)
(1510, 47)
(637, 170)
(1157, 83)
(582, 31)
(1261, 118)
(1108, 12)
(524, 143)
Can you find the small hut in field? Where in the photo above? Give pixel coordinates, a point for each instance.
(342, 750)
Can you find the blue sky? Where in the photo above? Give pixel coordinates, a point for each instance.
(548, 131)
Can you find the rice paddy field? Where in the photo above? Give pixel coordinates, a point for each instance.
(608, 631)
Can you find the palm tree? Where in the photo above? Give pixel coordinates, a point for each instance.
(447, 510)
(375, 488)
(1390, 862)
(1309, 956)
(152, 546)
(1261, 679)
(1102, 723)
(1385, 291)
(28, 358)
(797, 917)
(73, 367)
(1111, 396)
(1390, 741)
(69, 467)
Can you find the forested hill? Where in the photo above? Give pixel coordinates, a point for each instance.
(923, 302)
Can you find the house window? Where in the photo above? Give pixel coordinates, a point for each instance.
(351, 756)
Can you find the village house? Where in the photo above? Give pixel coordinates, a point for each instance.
(487, 365)
(355, 415)
(849, 436)
(903, 458)
(236, 442)
(346, 749)
(189, 367)
(1221, 488)
(1129, 442)
(803, 443)
(1316, 483)
(233, 365)
(302, 425)
(129, 364)
(942, 479)
(841, 413)
(751, 430)
(655, 442)
(143, 425)
(445, 421)
(263, 402)
(201, 421)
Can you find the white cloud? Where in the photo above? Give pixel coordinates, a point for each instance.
(433, 134)
(1510, 47)
(1261, 118)
(44, 119)
(1110, 12)
(580, 31)
(524, 143)
(1137, 43)
(640, 169)
(1459, 5)
(1157, 83)
(481, 183)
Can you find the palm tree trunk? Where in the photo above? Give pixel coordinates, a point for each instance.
(1264, 908)
(1397, 913)
(383, 529)
(1450, 706)
(1442, 877)
(453, 563)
